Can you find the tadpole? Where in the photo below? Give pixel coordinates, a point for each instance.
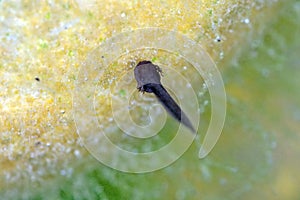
(148, 78)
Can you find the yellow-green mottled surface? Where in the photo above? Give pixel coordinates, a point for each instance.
(256, 47)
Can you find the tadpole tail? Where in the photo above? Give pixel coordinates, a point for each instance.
(171, 106)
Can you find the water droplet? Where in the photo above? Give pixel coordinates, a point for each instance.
(265, 72)
(205, 102)
(123, 14)
(246, 21)
(223, 181)
(221, 54)
(77, 153)
(63, 172)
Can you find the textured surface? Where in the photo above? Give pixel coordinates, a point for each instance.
(256, 46)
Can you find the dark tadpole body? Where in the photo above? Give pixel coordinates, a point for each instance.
(147, 76)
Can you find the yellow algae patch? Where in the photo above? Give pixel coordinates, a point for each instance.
(287, 183)
(50, 40)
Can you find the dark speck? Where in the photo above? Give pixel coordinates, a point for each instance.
(38, 143)
(37, 79)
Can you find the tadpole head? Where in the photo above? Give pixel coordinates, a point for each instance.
(146, 74)
(144, 62)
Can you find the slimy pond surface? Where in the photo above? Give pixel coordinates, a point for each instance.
(52, 62)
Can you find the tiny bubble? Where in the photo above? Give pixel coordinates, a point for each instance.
(77, 153)
(273, 144)
(123, 15)
(63, 172)
(265, 72)
(246, 21)
(221, 54)
(222, 181)
(205, 102)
